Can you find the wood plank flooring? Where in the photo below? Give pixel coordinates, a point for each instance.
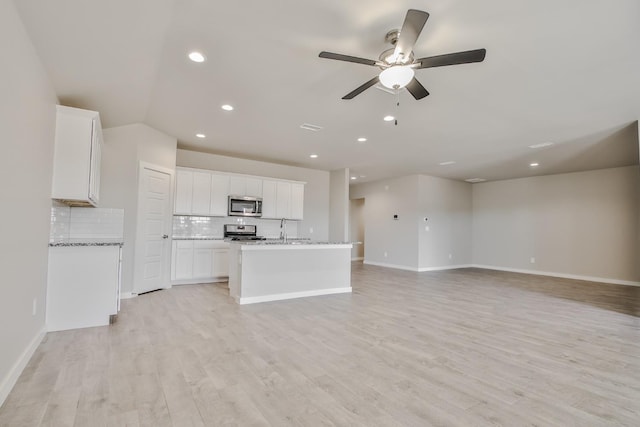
(466, 347)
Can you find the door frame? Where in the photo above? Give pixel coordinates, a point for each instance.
(139, 239)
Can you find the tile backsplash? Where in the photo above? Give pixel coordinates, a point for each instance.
(205, 226)
(81, 223)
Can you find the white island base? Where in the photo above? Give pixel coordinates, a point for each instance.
(260, 272)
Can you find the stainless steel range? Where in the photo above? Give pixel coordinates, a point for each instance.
(237, 232)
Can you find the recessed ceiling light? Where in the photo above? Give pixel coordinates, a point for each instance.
(543, 144)
(313, 156)
(389, 118)
(474, 180)
(354, 177)
(201, 135)
(362, 139)
(533, 165)
(446, 163)
(227, 107)
(196, 57)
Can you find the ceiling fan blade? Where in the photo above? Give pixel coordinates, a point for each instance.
(465, 57)
(411, 28)
(416, 89)
(361, 89)
(340, 57)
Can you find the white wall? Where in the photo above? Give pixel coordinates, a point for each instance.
(339, 206)
(582, 224)
(27, 126)
(447, 206)
(124, 148)
(398, 238)
(356, 227)
(316, 190)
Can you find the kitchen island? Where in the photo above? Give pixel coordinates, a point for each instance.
(274, 270)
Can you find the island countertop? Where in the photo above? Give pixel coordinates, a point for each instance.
(289, 244)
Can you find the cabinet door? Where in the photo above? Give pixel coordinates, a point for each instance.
(184, 192)
(253, 187)
(283, 200)
(96, 158)
(297, 200)
(202, 263)
(184, 260)
(219, 195)
(201, 193)
(269, 199)
(237, 185)
(220, 262)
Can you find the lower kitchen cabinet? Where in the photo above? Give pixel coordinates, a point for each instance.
(83, 286)
(199, 261)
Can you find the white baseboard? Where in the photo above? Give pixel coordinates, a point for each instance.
(561, 275)
(445, 267)
(127, 295)
(10, 380)
(292, 295)
(199, 281)
(419, 270)
(360, 258)
(396, 266)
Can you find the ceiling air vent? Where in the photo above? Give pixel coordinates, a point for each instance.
(312, 128)
(474, 180)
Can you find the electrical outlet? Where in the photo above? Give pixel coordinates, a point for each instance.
(310, 230)
(34, 307)
(450, 256)
(426, 228)
(385, 254)
(533, 260)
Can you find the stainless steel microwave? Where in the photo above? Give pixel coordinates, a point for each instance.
(245, 206)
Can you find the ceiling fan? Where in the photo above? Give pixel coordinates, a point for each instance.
(398, 63)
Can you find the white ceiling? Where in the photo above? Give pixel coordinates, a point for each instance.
(560, 71)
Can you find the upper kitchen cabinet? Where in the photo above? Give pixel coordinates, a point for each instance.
(200, 192)
(282, 199)
(245, 186)
(77, 155)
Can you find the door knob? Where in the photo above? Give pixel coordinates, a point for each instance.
(165, 236)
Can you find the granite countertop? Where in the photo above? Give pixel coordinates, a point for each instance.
(289, 242)
(86, 242)
(196, 238)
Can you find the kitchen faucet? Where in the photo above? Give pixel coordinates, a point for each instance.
(283, 229)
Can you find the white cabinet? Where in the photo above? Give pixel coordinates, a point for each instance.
(201, 193)
(199, 261)
(77, 157)
(219, 195)
(245, 186)
(83, 286)
(282, 199)
(206, 193)
(297, 201)
(182, 260)
(269, 198)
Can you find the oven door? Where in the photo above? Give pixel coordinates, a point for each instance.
(245, 206)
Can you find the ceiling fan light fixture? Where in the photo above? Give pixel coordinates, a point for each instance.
(396, 76)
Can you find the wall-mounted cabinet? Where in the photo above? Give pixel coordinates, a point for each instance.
(199, 261)
(77, 157)
(202, 192)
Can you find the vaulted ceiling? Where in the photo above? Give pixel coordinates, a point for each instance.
(564, 72)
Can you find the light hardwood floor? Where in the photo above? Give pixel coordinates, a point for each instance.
(457, 348)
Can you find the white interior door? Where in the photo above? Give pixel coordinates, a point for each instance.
(153, 252)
